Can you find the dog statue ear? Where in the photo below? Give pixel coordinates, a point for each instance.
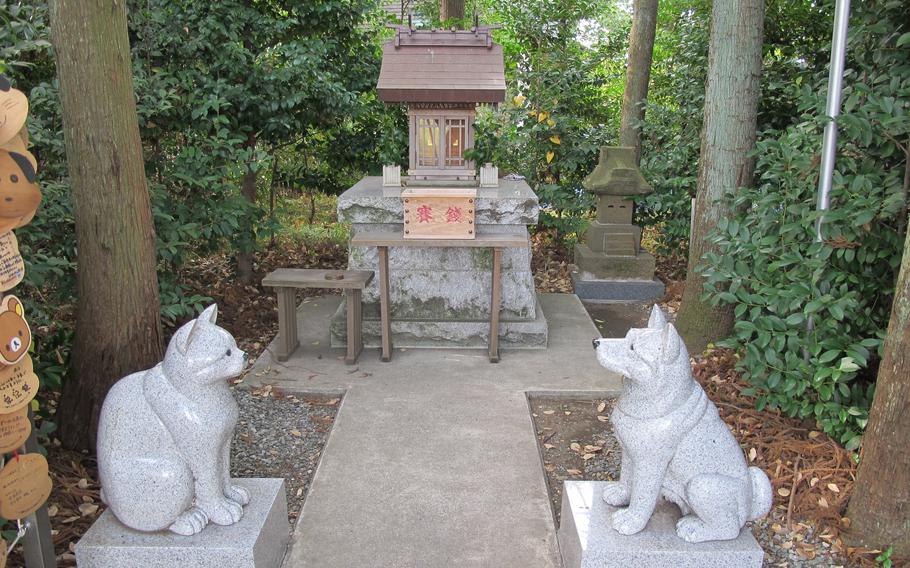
(657, 319)
(207, 317)
(669, 344)
(210, 314)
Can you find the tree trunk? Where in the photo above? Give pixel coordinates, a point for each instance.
(248, 189)
(118, 330)
(728, 135)
(638, 73)
(880, 505)
(451, 10)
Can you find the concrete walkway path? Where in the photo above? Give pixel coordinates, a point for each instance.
(433, 460)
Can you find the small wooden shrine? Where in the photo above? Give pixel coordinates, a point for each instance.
(442, 75)
(446, 238)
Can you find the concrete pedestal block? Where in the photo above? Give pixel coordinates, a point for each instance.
(607, 267)
(258, 540)
(587, 538)
(591, 289)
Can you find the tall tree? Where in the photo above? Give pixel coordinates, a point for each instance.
(638, 72)
(728, 135)
(118, 329)
(880, 506)
(451, 10)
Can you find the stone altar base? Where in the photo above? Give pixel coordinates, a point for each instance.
(440, 297)
(587, 539)
(258, 540)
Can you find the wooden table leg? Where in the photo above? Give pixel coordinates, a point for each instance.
(495, 305)
(355, 323)
(287, 323)
(384, 323)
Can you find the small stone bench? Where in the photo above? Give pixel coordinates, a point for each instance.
(287, 280)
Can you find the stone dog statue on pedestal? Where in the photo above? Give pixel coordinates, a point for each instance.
(674, 443)
(164, 438)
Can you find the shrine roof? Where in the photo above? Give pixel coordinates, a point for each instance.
(463, 66)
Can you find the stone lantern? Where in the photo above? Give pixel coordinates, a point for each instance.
(610, 262)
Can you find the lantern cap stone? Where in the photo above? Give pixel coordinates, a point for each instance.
(616, 174)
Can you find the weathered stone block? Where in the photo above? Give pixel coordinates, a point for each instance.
(437, 258)
(614, 209)
(510, 203)
(587, 538)
(258, 540)
(610, 267)
(613, 239)
(451, 295)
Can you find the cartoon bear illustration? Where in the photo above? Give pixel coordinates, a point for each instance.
(15, 335)
(13, 110)
(19, 195)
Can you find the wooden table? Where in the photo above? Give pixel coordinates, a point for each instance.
(384, 240)
(287, 280)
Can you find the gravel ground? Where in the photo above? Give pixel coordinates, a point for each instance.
(281, 436)
(577, 442)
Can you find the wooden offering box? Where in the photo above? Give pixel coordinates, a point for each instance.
(439, 213)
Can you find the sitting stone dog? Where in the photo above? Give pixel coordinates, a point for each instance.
(674, 443)
(164, 438)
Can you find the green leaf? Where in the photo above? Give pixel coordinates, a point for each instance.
(829, 356)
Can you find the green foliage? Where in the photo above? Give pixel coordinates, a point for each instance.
(884, 559)
(768, 267)
(225, 86)
(561, 106)
(208, 78)
(797, 38)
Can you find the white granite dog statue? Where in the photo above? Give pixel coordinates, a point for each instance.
(674, 443)
(164, 438)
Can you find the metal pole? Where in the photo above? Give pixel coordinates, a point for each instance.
(832, 110)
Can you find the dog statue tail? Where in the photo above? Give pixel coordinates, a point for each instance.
(761, 494)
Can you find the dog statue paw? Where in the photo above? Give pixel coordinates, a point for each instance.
(164, 436)
(674, 444)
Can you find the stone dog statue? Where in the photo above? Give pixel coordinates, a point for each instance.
(674, 443)
(164, 438)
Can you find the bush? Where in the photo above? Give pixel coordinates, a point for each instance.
(777, 278)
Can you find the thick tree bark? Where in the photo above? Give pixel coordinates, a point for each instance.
(880, 506)
(728, 135)
(638, 72)
(451, 10)
(118, 330)
(249, 190)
